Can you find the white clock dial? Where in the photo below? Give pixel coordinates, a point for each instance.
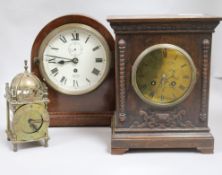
(75, 59)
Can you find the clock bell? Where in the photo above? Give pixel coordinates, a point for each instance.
(27, 116)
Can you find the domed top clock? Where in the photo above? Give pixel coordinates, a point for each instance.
(73, 54)
(26, 105)
(162, 70)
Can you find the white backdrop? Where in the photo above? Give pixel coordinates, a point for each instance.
(22, 20)
(84, 149)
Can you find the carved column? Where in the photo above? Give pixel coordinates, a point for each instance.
(205, 70)
(122, 80)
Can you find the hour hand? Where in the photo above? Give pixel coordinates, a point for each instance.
(74, 60)
(33, 123)
(57, 62)
(61, 62)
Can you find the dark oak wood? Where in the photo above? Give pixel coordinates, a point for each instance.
(203, 142)
(184, 125)
(119, 150)
(92, 109)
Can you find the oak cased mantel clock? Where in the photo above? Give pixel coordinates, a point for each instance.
(73, 54)
(162, 82)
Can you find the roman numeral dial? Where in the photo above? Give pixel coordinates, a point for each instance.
(75, 36)
(163, 75)
(76, 59)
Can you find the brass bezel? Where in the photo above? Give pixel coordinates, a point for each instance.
(67, 27)
(140, 58)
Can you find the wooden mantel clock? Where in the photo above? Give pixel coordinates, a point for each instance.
(74, 55)
(162, 82)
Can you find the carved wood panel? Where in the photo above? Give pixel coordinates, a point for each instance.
(167, 119)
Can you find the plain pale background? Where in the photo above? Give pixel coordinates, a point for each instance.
(87, 150)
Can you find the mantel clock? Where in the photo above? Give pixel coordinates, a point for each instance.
(73, 54)
(162, 82)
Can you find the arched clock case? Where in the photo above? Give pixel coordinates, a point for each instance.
(74, 55)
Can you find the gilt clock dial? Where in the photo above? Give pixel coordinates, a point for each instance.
(31, 121)
(163, 75)
(75, 59)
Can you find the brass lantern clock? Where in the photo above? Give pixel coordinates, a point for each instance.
(27, 116)
(162, 82)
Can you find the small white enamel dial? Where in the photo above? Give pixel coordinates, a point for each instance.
(74, 59)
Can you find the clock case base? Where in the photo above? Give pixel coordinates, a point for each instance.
(12, 138)
(58, 119)
(202, 142)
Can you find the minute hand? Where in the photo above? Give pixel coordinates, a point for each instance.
(54, 56)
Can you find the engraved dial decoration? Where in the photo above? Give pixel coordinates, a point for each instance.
(163, 75)
(74, 59)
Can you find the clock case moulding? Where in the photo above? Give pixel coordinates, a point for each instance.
(137, 124)
(91, 109)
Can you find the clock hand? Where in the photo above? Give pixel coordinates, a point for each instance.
(34, 121)
(74, 60)
(59, 62)
(33, 126)
(162, 83)
(163, 80)
(54, 56)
